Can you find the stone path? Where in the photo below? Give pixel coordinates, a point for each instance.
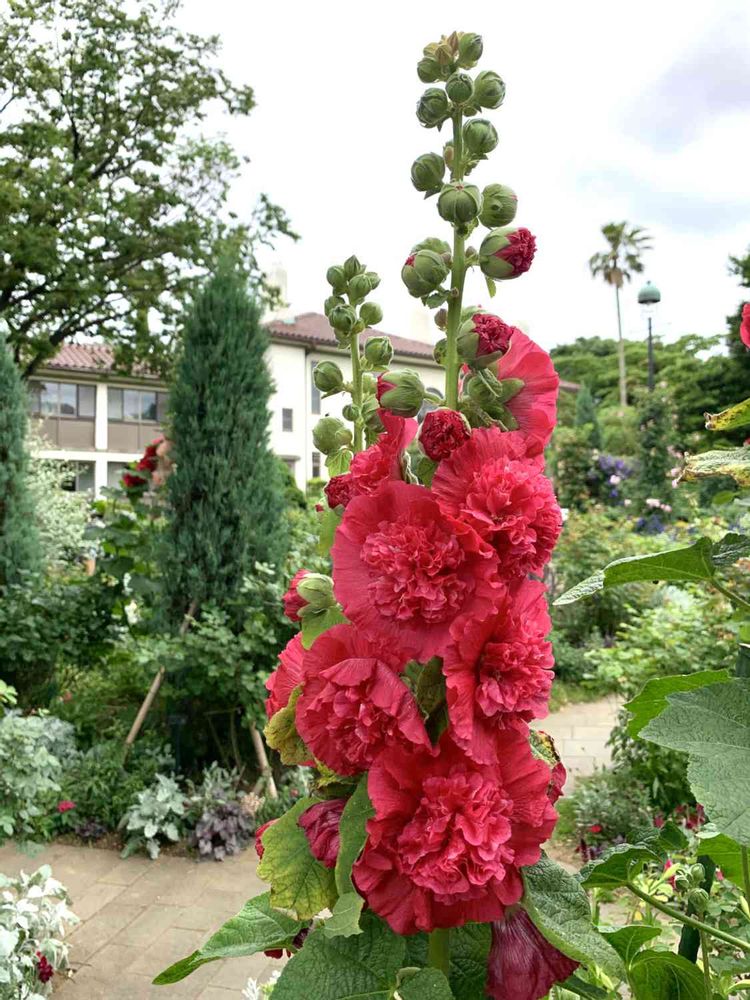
(138, 916)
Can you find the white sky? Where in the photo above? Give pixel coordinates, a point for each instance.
(637, 112)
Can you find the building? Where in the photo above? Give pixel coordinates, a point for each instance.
(100, 421)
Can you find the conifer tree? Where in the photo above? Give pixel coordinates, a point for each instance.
(586, 415)
(20, 552)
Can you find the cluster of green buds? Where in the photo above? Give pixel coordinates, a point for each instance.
(346, 309)
(688, 881)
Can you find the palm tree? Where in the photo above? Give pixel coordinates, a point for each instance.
(617, 265)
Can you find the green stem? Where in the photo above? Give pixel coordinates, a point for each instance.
(740, 602)
(706, 965)
(357, 391)
(458, 273)
(745, 873)
(439, 951)
(683, 918)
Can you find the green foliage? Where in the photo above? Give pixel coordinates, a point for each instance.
(586, 416)
(572, 466)
(225, 498)
(104, 150)
(656, 976)
(652, 699)
(622, 863)
(606, 807)
(157, 812)
(346, 913)
(20, 553)
(61, 514)
(655, 436)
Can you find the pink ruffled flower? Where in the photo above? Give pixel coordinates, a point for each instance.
(321, 825)
(442, 432)
(535, 406)
(404, 570)
(745, 325)
(449, 835)
(494, 485)
(382, 460)
(339, 490)
(286, 677)
(522, 964)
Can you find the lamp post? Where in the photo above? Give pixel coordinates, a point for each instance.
(649, 297)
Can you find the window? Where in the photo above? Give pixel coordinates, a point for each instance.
(316, 464)
(314, 392)
(291, 464)
(136, 405)
(63, 399)
(81, 479)
(114, 473)
(287, 420)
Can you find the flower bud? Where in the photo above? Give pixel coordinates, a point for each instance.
(428, 70)
(697, 873)
(351, 267)
(336, 278)
(480, 137)
(328, 377)
(699, 900)
(330, 302)
(374, 279)
(343, 319)
(443, 431)
(434, 244)
(459, 88)
(371, 314)
(499, 205)
(459, 203)
(427, 172)
(506, 252)
(489, 89)
(470, 49)
(682, 882)
(482, 339)
(378, 352)
(369, 384)
(316, 590)
(348, 412)
(441, 319)
(423, 272)
(330, 434)
(402, 393)
(432, 107)
(360, 286)
(439, 351)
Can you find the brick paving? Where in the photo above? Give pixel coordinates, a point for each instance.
(138, 916)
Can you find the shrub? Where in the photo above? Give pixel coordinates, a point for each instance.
(157, 812)
(61, 514)
(605, 808)
(221, 827)
(662, 772)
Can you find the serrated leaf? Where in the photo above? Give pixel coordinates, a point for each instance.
(344, 919)
(299, 883)
(735, 416)
(257, 927)
(317, 624)
(628, 941)
(726, 854)
(734, 462)
(661, 975)
(712, 725)
(328, 521)
(339, 461)
(362, 967)
(729, 549)
(470, 947)
(617, 866)
(653, 697)
(281, 732)
(427, 984)
(559, 907)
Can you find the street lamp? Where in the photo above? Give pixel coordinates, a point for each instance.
(649, 297)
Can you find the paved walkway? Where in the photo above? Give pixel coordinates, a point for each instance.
(138, 916)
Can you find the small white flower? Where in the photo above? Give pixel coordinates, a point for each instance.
(615, 480)
(653, 502)
(626, 502)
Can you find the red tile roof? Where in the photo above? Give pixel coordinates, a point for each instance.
(313, 329)
(83, 357)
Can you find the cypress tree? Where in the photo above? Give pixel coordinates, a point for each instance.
(586, 415)
(20, 552)
(226, 501)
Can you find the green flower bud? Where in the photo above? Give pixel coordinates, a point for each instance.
(369, 384)
(359, 287)
(428, 70)
(401, 392)
(371, 314)
(330, 302)
(441, 319)
(434, 244)
(374, 279)
(427, 172)
(489, 89)
(459, 203)
(348, 412)
(330, 434)
(697, 873)
(343, 319)
(699, 900)
(351, 267)
(317, 592)
(448, 154)
(336, 278)
(423, 272)
(682, 882)
(480, 137)
(499, 205)
(459, 88)
(470, 49)
(370, 416)
(432, 107)
(506, 252)
(378, 352)
(439, 351)
(328, 377)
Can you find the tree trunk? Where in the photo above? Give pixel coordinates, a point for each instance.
(621, 354)
(265, 767)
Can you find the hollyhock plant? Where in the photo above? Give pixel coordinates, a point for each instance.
(507, 252)
(522, 964)
(534, 407)
(403, 569)
(449, 835)
(376, 465)
(321, 825)
(493, 484)
(354, 703)
(443, 431)
(287, 676)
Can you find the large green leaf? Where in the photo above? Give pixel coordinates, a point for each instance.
(729, 549)
(559, 907)
(735, 416)
(653, 698)
(628, 941)
(712, 724)
(329, 520)
(344, 919)
(318, 623)
(427, 984)
(619, 864)
(299, 883)
(281, 732)
(362, 967)
(724, 852)
(257, 927)
(470, 946)
(734, 462)
(661, 975)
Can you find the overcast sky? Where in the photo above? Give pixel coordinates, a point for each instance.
(639, 111)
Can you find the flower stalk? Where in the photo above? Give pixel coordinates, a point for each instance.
(458, 274)
(357, 392)
(439, 950)
(683, 918)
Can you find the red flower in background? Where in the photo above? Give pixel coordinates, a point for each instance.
(293, 603)
(404, 569)
(65, 806)
(44, 970)
(321, 825)
(535, 406)
(132, 481)
(449, 835)
(442, 432)
(745, 325)
(494, 485)
(354, 703)
(286, 677)
(499, 671)
(522, 964)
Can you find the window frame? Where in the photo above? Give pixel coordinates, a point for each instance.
(57, 415)
(122, 419)
(287, 411)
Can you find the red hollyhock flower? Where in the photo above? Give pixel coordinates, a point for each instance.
(259, 837)
(745, 325)
(449, 835)
(520, 251)
(404, 569)
(286, 677)
(131, 481)
(44, 970)
(382, 460)
(522, 964)
(383, 386)
(65, 806)
(321, 825)
(354, 703)
(495, 486)
(596, 828)
(499, 671)
(535, 406)
(339, 490)
(559, 777)
(293, 603)
(442, 432)
(493, 334)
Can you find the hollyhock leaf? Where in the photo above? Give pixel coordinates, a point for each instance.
(257, 927)
(729, 549)
(281, 733)
(339, 461)
(712, 725)
(329, 520)
(299, 883)
(491, 286)
(591, 585)
(734, 462)
(653, 698)
(628, 941)
(315, 625)
(616, 866)
(470, 946)
(735, 416)
(574, 986)
(660, 975)
(559, 907)
(361, 967)
(725, 853)
(428, 683)
(344, 920)
(427, 984)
